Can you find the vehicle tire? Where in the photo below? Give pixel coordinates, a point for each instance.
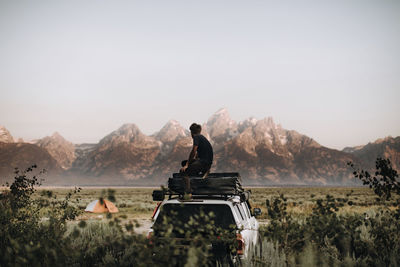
(228, 261)
(234, 261)
(258, 248)
(224, 261)
(256, 252)
(220, 263)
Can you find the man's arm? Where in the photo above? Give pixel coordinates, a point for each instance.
(191, 157)
(192, 154)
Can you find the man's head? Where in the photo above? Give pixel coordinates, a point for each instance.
(195, 129)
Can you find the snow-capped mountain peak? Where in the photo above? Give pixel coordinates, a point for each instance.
(220, 125)
(127, 133)
(5, 135)
(57, 136)
(250, 122)
(171, 132)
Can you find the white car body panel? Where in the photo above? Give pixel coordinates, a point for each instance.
(246, 223)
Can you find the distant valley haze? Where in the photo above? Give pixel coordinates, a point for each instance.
(263, 152)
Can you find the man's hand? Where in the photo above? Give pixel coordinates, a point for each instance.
(183, 169)
(192, 156)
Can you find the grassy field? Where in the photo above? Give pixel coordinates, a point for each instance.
(136, 205)
(301, 200)
(299, 226)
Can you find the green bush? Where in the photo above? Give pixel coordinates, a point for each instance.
(36, 231)
(28, 235)
(326, 238)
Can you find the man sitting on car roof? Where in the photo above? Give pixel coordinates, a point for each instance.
(201, 155)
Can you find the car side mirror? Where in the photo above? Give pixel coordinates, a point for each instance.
(257, 212)
(158, 195)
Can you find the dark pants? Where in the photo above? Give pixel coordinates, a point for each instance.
(196, 168)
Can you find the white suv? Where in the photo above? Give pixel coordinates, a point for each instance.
(229, 205)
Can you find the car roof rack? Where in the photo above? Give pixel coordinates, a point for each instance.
(212, 175)
(217, 185)
(159, 195)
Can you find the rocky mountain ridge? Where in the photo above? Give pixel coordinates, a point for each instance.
(59, 148)
(387, 147)
(5, 135)
(262, 151)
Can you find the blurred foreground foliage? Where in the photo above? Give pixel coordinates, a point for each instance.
(34, 232)
(42, 231)
(325, 238)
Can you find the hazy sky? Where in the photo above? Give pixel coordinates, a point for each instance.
(328, 69)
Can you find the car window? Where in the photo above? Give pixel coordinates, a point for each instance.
(242, 212)
(221, 214)
(246, 210)
(237, 207)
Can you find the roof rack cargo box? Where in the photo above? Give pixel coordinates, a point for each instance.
(212, 175)
(214, 184)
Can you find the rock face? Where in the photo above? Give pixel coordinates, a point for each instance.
(82, 151)
(220, 128)
(169, 135)
(5, 135)
(22, 156)
(126, 152)
(388, 147)
(262, 151)
(59, 148)
(265, 152)
(166, 164)
(171, 132)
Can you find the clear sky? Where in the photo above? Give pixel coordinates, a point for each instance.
(328, 69)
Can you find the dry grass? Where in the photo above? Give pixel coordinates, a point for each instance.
(136, 204)
(301, 200)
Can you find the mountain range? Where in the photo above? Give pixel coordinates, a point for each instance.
(263, 152)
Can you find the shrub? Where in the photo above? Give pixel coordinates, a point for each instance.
(34, 232)
(28, 236)
(326, 238)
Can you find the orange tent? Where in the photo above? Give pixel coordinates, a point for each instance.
(96, 206)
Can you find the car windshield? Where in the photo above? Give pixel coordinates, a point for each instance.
(220, 214)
